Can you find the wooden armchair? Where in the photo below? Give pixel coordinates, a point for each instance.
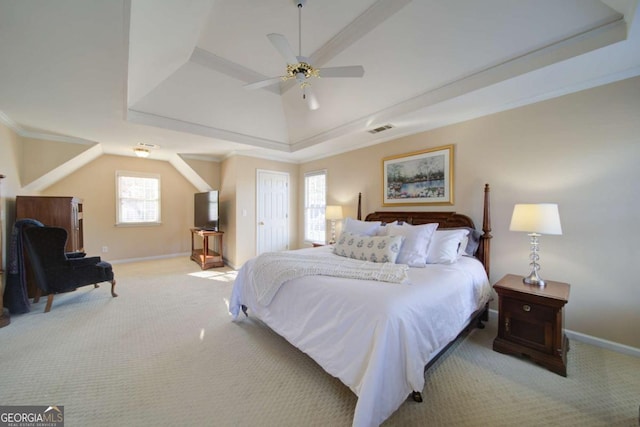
(55, 271)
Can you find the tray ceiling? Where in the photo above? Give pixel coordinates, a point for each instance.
(171, 73)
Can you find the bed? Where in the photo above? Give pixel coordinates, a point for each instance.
(377, 337)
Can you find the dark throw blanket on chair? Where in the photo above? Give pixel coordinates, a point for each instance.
(15, 292)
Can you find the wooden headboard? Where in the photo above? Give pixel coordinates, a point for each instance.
(444, 220)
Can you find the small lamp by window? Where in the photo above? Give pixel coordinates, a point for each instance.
(333, 213)
(535, 219)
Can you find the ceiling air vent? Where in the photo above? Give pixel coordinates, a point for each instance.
(147, 145)
(380, 129)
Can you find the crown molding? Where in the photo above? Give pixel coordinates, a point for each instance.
(203, 157)
(10, 123)
(56, 138)
(202, 130)
(14, 126)
(262, 156)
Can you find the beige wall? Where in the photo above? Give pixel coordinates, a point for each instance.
(40, 157)
(228, 223)
(10, 153)
(239, 175)
(208, 170)
(95, 184)
(580, 151)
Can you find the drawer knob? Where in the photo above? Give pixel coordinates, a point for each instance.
(526, 308)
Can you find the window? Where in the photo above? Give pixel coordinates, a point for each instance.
(138, 198)
(315, 200)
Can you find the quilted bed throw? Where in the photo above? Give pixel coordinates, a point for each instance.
(272, 269)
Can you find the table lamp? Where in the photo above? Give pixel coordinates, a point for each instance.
(333, 213)
(535, 219)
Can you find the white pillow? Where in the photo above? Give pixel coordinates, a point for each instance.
(368, 248)
(445, 245)
(416, 243)
(364, 228)
(382, 229)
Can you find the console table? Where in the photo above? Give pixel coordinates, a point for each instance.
(209, 255)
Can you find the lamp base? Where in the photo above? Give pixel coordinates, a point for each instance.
(333, 232)
(534, 279)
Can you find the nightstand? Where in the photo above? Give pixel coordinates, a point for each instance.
(531, 321)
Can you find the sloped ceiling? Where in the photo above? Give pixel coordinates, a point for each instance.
(171, 72)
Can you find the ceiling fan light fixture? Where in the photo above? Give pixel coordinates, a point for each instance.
(141, 152)
(293, 70)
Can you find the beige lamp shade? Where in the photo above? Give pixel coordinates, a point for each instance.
(542, 218)
(333, 212)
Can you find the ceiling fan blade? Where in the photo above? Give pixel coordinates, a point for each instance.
(309, 96)
(263, 83)
(348, 71)
(280, 42)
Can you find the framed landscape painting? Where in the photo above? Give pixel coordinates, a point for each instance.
(421, 177)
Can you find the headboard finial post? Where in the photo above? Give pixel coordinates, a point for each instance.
(485, 253)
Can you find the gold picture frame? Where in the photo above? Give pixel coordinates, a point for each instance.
(419, 178)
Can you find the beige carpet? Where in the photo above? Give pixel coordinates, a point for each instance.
(165, 353)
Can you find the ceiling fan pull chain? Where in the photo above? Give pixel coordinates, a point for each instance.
(299, 28)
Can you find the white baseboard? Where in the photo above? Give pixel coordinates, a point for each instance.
(598, 342)
(151, 258)
(228, 264)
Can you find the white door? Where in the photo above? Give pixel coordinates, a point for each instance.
(272, 211)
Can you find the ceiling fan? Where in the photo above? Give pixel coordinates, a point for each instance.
(300, 67)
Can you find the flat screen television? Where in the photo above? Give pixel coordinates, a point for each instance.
(205, 210)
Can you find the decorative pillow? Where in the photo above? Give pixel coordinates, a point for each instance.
(473, 241)
(462, 248)
(470, 243)
(363, 228)
(416, 243)
(445, 245)
(368, 248)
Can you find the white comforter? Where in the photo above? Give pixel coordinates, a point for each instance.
(376, 337)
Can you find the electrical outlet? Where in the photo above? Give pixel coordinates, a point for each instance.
(105, 249)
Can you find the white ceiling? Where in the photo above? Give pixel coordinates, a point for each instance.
(171, 72)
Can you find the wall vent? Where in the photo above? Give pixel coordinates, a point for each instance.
(380, 129)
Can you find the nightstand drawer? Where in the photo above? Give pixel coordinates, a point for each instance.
(527, 310)
(528, 324)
